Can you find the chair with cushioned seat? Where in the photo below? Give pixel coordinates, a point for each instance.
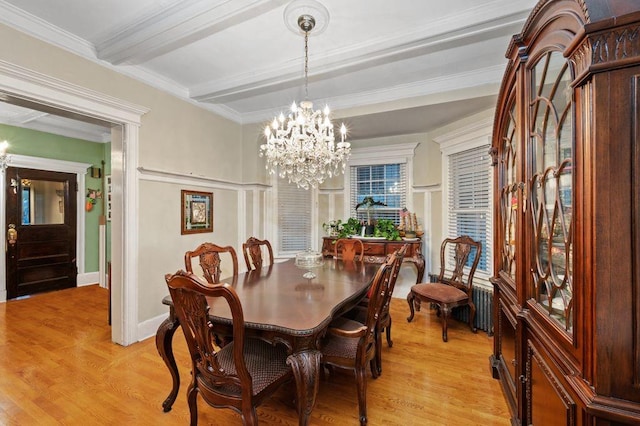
(351, 344)
(384, 321)
(242, 374)
(454, 286)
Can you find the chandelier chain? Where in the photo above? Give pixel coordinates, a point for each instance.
(306, 65)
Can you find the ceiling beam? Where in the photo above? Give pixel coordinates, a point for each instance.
(356, 57)
(177, 25)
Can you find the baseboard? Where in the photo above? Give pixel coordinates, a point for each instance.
(149, 327)
(88, 278)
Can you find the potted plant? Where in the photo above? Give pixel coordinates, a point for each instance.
(385, 228)
(369, 203)
(351, 227)
(332, 228)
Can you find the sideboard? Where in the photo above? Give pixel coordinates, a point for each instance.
(376, 251)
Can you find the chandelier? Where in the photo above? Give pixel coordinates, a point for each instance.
(302, 144)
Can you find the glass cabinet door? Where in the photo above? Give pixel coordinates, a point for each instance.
(550, 187)
(508, 196)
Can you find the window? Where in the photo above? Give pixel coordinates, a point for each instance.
(469, 199)
(383, 182)
(294, 218)
(384, 173)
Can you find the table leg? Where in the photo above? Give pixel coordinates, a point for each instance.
(164, 343)
(306, 370)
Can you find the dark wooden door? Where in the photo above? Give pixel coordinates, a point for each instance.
(41, 231)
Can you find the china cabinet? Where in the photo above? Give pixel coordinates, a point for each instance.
(566, 151)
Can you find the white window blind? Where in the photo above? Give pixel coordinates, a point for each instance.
(294, 218)
(469, 199)
(384, 182)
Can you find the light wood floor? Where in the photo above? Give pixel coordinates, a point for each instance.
(59, 367)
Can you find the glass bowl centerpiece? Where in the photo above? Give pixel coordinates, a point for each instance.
(308, 260)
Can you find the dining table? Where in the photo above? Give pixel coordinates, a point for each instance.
(283, 304)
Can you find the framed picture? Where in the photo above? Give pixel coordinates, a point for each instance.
(197, 212)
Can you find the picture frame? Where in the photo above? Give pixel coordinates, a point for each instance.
(196, 214)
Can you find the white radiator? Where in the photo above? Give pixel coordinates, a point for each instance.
(483, 299)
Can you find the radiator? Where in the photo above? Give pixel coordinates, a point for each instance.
(483, 299)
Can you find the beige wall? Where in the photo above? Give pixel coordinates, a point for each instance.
(253, 170)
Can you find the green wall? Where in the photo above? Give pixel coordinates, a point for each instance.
(45, 145)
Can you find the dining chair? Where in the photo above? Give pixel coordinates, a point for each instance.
(454, 286)
(349, 249)
(242, 374)
(252, 251)
(350, 344)
(209, 257)
(384, 321)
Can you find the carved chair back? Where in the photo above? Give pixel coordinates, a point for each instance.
(395, 271)
(349, 249)
(209, 260)
(465, 253)
(378, 294)
(252, 251)
(238, 375)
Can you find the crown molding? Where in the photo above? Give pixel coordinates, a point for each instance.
(17, 18)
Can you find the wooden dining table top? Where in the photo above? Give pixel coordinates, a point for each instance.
(279, 297)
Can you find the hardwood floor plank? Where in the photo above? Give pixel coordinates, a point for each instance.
(59, 367)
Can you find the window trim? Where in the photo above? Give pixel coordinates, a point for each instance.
(387, 154)
(462, 139)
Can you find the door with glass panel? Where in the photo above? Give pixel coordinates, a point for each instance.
(41, 231)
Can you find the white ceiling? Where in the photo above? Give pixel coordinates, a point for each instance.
(385, 67)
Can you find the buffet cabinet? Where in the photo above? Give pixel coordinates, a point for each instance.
(376, 250)
(566, 155)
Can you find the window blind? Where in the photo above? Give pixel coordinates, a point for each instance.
(294, 218)
(384, 182)
(469, 199)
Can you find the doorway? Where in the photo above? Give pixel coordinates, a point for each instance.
(41, 231)
(20, 85)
